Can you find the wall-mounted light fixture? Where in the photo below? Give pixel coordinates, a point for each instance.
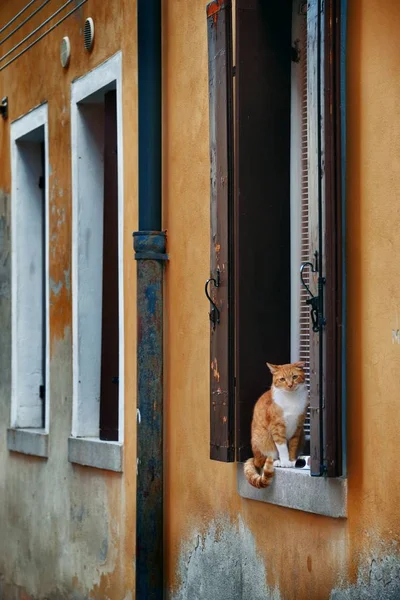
(65, 51)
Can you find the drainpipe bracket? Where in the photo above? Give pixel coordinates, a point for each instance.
(150, 245)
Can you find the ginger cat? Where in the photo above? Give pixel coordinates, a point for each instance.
(277, 427)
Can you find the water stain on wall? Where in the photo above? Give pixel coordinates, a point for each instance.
(223, 563)
(5, 256)
(378, 579)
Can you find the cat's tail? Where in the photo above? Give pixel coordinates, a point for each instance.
(254, 477)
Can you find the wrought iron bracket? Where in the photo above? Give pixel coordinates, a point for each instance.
(214, 313)
(315, 302)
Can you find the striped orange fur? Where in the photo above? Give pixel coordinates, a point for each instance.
(277, 427)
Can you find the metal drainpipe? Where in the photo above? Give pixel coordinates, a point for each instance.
(149, 246)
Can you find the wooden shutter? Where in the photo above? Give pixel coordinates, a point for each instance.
(110, 323)
(262, 202)
(219, 287)
(333, 242)
(325, 172)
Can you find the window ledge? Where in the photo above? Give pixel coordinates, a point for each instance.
(92, 452)
(295, 488)
(34, 442)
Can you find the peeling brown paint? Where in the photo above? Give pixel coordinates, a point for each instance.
(213, 8)
(214, 368)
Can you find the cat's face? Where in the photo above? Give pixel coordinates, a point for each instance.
(288, 377)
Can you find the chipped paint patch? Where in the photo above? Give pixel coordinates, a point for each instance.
(5, 246)
(55, 287)
(223, 563)
(67, 277)
(378, 579)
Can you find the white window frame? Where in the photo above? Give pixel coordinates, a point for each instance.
(85, 447)
(21, 436)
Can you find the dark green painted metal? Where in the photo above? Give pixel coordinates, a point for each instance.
(149, 245)
(149, 98)
(149, 495)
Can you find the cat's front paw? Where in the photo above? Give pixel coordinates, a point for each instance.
(286, 464)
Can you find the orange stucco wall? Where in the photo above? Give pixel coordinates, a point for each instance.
(67, 529)
(305, 556)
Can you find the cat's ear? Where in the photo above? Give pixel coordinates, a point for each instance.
(299, 365)
(272, 368)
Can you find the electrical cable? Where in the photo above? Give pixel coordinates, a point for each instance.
(16, 16)
(24, 21)
(28, 37)
(43, 34)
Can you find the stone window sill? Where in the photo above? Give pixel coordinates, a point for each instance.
(92, 452)
(34, 442)
(295, 488)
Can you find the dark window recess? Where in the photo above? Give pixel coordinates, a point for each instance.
(262, 202)
(42, 187)
(110, 322)
(250, 282)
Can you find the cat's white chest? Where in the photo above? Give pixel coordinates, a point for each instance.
(293, 404)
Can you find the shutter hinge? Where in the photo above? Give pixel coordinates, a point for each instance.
(316, 302)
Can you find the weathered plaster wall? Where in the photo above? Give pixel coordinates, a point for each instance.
(219, 544)
(66, 531)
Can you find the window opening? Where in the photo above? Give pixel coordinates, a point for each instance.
(285, 214)
(97, 255)
(110, 314)
(29, 239)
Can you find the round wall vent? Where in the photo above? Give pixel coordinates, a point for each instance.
(88, 34)
(65, 51)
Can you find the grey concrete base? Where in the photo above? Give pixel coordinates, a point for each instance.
(295, 488)
(92, 452)
(28, 441)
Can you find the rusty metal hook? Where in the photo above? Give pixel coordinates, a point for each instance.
(214, 312)
(314, 302)
(313, 270)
